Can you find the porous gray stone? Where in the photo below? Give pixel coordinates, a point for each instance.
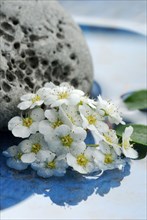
(39, 42)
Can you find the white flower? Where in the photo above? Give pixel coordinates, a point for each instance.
(14, 161)
(107, 108)
(51, 166)
(56, 118)
(92, 120)
(82, 162)
(65, 139)
(86, 100)
(64, 94)
(50, 85)
(23, 127)
(32, 148)
(72, 115)
(107, 159)
(111, 139)
(31, 100)
(127, 149)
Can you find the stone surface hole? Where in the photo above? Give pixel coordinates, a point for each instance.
(6, 87)
(16, 45)
(14, 21)
(7, 98)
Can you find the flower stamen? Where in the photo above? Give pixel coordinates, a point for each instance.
(51, 165)
(36, 148)
(91, 119)
(36, 98)
(63, 95)
(108, 158)
(27, 122)
(66, 140)
(57, 123)
(82, 160)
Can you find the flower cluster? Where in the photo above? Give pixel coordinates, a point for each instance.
(55, 123)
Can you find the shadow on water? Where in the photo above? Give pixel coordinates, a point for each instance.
(68, 190)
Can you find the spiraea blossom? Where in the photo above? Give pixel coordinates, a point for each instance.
(107, 108)
(55, 123)
(24, 126)
(127, 148)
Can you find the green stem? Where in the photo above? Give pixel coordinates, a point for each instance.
(92, 145)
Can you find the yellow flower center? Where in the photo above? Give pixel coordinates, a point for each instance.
(27, 122)
(125, 144)
(108, 158)
(57, 123)
(51, 165)
(36, 148)
(63, 95)
(66, 140)
(82, 160)
(36, 98)
(91, 119)
(80, 103)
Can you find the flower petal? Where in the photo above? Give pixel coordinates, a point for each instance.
(28, 158)
(77, 148)
(36, 138)
(21, 131)
(45, 128)
(71, 160)
(79, 134)
(14, 122)
(24, 105)
(62, 130)
(44, 155)
(16, 164)
(128, 132)
(130, 153)
(37, 103)
(34, 127)
(25, 146)
(11, 151)
(51, 115)
(37, 114)
(27, 96)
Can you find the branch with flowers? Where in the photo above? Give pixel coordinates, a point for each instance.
(55, 123)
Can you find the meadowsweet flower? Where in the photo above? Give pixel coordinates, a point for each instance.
(85, 100)
(31, 100)
(65, 139)
(107, 159)
(111, 139)
(56, 118)
(14, 154)
(127, 149)
(82, 162)
(107, 108)
(24, 126)
(65, 94)
(51, 166)
(71, 115)
(32, 147)
(56, 123)
(92, 120)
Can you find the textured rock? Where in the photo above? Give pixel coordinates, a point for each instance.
(39, 42)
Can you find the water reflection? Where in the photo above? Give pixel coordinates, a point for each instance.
(68, 190)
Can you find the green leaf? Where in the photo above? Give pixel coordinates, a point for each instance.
(139, 134)
(141, 149)
(137, 100)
